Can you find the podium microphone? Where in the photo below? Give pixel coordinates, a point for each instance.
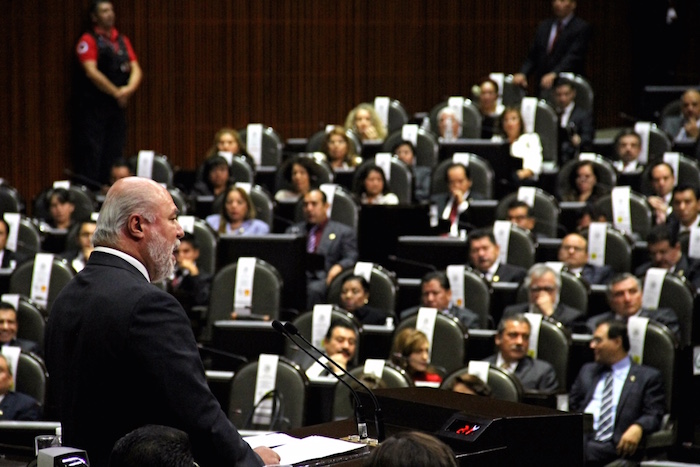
(378, 416)
(359, 415)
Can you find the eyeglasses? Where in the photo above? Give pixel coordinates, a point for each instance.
(548, 289)
(578, 249)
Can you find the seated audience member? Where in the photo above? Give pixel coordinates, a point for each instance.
(489, 108)
(229, 140)
(340, 150)
(120, 169)
(237, 215)
(153, 446)
(453, 205)
(373, 187)
(411, 351)
(339, 344)
(406, 152)
(333, 242)
(364, 121)
(354, 296)
(449, 124)
(470, 384)
(525, 148)
(573, 252)
(412, 448)
(544, 289)
(665, 253)
(15, 405)
(513, 342)
(624, 295)
(662, 183)
(9, 328)
(685, 127)
(60, 205)
(436, 293)
(189, 285)
(522, 214)
(300, 179)
(625, 399)
(8, 258)
(628, 146)
(584, 185)
(79, 256)
(575, 123)
(216, 177)
(483, 256)
(686, 209)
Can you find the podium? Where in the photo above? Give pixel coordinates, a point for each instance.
(480, 431)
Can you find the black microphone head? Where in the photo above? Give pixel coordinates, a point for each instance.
(291, 328)
(279, 327)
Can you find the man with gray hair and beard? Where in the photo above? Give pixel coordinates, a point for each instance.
(121, 352)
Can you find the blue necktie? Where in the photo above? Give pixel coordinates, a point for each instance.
(605, 421)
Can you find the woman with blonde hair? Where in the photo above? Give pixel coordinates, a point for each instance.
(411, 351)
(365, 121)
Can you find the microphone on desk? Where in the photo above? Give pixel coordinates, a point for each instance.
(411, 262)
(359, 415)
(239, 359)
(378, 415)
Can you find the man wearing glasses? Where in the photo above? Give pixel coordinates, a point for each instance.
(573, 252)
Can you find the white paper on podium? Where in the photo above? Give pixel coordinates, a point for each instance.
(381, 106)
(526, 194)
(528, 110)
(144, 164)
(461, 158)
(673, 159)
(535, 324)
(456, 104)
(41, 278)
(653, 283)
(65, 184)
(253, 142)
(637, 332)
(243, 287)
(425, 323)
(622, 215)
(314, 447)
(455, 276)
(374, 366)
(501, 232)
(12, 219)
(479, 369)
(587, 156)
(265, 382)
(643, 129)
(383, 161)
(597, 237)
(11, 298)
(363, 269)
(409, 132)
(320, 322)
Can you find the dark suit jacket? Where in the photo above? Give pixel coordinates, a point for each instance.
(509, 273)
(580, 123)
(665, 316)
(597, 274)
(121, 354)
(566, 315)
(641, 400)
(672, 125)
(687, 268)
(338, 245)
(441, 200)
(26, 345)
(569, 52)
(20, 407)
(7, 257)
(534, 374)
(467, 317)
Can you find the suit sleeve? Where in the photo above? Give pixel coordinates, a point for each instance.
(537, 48)
(576, 52)
(161, 337)
(653, 406)
(548, 382)
(668, 317)
(577, 396)
(348, 249)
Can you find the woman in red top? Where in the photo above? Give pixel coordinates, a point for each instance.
(411, 351)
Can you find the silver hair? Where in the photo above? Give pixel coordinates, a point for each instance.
(517, 318)
(538, 270)
(455, 115)
(115, 213)
(619, 278)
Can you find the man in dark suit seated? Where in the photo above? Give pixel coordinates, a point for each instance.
(685, 127)
(453, 205)
(8, 259)
(625, 298)
(483, 254)
(9, 328)
(544, 287)
(521, 214)
(15, 405)
(340, 344)
(436, 293)
(334, 242)
(189, 285)
(111, 321)
(560, 45)
(626, 400)
(628, 147)
(573, 252)
(513, 343)
(406, 152)
(575, 123)
(665, 253)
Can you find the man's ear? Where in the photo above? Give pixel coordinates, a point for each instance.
(135, 226)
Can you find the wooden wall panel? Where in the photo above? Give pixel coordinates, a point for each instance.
(293, 64)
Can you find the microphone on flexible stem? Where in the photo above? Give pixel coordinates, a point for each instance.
(411, 262)
(238, 359)
(378, 415)
(359, 414)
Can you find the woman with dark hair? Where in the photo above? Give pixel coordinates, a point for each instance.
(525, 148)
(373, 188)
(354, 297)
(300, 178)
(406, 152)
(489, 108)
(237, 215)
(340, 150)
(583, 184)
(412, 448)
(60, 204)
(470, 384)
(411, 351)
(216, 177)
(229, 140)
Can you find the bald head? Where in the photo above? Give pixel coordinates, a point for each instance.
(690, 102)
(139, 218)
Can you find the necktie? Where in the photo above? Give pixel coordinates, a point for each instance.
(556, 36)
(605, 422)
(311, 240)
(453, 212)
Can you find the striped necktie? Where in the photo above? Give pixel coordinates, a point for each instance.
(605, 421)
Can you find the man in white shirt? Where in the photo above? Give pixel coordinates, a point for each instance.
(662, 182)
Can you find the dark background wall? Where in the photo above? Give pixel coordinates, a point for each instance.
(292, 64)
